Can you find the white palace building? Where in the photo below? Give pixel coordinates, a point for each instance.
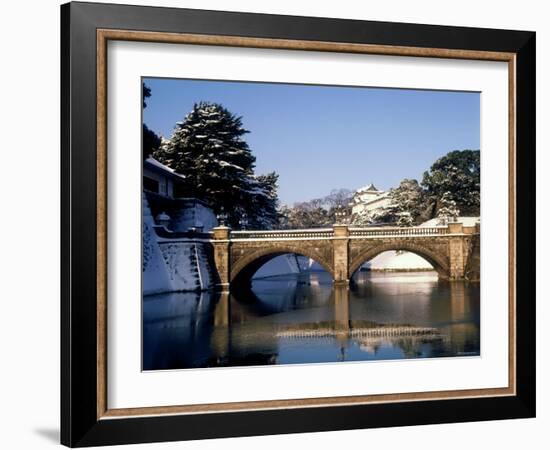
(368, 199)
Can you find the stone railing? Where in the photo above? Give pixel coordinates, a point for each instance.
(398, 231)
(284, 234)
(342, 231)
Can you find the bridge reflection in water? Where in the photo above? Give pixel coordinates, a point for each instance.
(308, 319)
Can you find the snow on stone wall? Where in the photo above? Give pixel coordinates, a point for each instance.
(187, 265)
(170, 267)
(155, 276)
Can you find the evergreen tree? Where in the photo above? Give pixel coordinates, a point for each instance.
(408, 202)
(208, 148)
(448, 211)
(145, 93)
(405, 220)
(406, 207)
(364, 218)
(150, 142)
(457, 175)
(265, 200)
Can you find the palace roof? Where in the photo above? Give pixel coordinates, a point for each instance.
(370, 188)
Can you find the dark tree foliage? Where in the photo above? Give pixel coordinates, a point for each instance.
(456, 175)
(208, 148)
(265, 214)
(151, 142)
(146, 93)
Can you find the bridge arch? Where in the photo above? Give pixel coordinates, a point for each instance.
(439, 262)
(246, 266)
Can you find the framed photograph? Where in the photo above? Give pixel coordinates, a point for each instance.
(277, 224)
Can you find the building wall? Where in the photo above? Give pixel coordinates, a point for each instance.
(166, 185)
(375, 202)
(193, 214)
(184, 213)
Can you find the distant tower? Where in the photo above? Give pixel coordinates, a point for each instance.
(369, 198)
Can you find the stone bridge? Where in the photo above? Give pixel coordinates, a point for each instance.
(452, 250)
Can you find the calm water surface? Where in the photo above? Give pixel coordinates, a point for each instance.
(305, 319)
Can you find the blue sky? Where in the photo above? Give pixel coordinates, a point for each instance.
(319, 138)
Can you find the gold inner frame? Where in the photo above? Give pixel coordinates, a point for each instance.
(103, 36)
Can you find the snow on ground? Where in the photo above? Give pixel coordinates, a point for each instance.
(466, 221)
(390, 260)
(280, 265)
(393, 260)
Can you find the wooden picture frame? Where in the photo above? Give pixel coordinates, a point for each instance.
(85, 417)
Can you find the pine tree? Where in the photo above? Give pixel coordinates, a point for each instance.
(208, 148)
(457, 174)
(408, 202)
(405, 220)
(448, 211)
(264, 200)
(150, 141)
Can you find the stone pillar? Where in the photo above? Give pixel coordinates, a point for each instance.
(456, 251)
(470, 229)
(455, 227)
(472, 269)
(221, 245)
(340, 245)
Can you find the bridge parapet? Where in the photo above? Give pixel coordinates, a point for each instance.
(398, 231)
(284, 234)
(354, 232)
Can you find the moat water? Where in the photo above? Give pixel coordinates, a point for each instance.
(304, 318)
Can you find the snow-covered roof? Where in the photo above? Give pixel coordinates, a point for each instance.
(154, 164)
(370, 188)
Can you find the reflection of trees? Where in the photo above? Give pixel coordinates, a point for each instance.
(411, 348)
